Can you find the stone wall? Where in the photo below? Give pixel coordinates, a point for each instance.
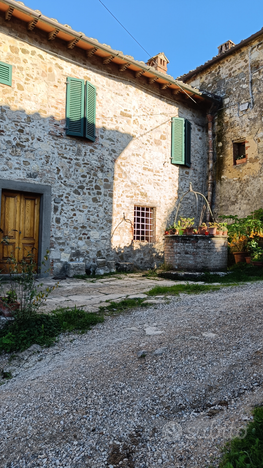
(238, 188)
(196, 253)
(94, 185)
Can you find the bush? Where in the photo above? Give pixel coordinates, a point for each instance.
(44, 329)
(246, 452)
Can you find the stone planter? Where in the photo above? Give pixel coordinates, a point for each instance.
(196, 253)
(7, 310)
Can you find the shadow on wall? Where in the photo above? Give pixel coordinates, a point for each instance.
(36, 150)
(189, 205)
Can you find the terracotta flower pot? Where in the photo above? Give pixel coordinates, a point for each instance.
(240, 257)
(256, 263)
(219, 233)
(248, 259)
(201, 230)
(225, 233)
(212, 231)
(7, 310)
(189, 231)
(241, 161)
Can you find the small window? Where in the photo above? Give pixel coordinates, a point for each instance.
(239, 153)
(143, 224)
(5, 74)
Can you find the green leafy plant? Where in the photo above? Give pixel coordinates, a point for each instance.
(10, 297)
(24, 288)
(186, 223)
(246, 451)
(255, 250)
(43, 329)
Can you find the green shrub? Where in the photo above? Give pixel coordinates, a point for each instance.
(44, 329)
(246, 452)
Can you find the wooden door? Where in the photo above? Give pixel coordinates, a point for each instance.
(20, 222)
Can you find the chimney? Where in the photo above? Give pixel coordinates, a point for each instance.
(159, 62)
(226, 46)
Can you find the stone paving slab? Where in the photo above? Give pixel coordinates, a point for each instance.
(92, 294)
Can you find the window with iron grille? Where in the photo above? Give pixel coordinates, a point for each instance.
(144, 224)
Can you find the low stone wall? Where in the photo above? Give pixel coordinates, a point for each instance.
(196, 253)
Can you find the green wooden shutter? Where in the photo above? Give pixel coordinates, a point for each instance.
(90, 124)
(178, 141)
(187, 143)
(5, 74)
(75, 107)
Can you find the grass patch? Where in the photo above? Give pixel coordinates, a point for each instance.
(182, 288)
(240, 273)
(115, 308)
(44, 329)
(248, 451)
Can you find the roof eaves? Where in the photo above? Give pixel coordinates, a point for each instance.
(183, 87)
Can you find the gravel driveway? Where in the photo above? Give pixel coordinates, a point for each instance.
(160, 386)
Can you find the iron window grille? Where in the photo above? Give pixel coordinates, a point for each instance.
(143, 224)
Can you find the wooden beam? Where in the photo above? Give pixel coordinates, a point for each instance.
(32, 24)
(124, 67)
(152, 80)
(9, 13)
(71, 44)
(139, 73)
(166, 85)
(92, 51)
(108, 60)
(53, 34)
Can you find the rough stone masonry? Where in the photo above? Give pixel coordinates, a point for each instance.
(94, 185)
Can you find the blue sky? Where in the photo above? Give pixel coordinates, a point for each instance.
(188, 32)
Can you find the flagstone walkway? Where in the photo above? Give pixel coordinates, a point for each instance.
(90, 294)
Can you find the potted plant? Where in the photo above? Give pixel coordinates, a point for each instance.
(202, 229)
(241, 159)
(187, 225)
(9, 304)
(171, 230)
(224, 228)
(238, 247)
(219, 231)
(256, 253)
(195, 231)
(212, 228)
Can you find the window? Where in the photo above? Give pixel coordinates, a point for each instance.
(239, 153)
(81, 109)
(181, 142)
(5, 74)
(143, 224)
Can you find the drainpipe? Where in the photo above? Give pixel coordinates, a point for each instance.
(210, 118)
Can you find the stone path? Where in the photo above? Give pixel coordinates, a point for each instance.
(90, 294)
(164, 385)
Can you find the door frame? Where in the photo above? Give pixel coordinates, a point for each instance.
(44, 216)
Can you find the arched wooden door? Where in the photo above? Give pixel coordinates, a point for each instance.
(20, 222)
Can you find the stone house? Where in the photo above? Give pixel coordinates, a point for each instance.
(236, 75)
(96, 147)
